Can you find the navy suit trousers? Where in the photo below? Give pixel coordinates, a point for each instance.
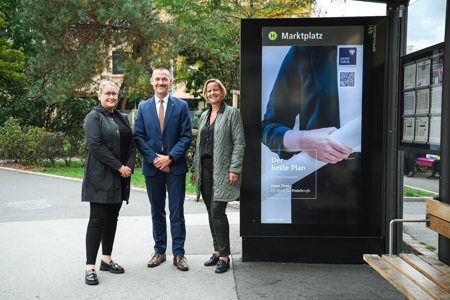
(156, 190)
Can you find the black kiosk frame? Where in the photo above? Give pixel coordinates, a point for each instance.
(319, 235)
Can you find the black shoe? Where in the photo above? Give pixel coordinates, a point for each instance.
(112, 267)
(222, 266)
(91, 277)
(411, 174)
(212, 260)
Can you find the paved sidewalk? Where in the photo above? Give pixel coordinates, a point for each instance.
(43, 255)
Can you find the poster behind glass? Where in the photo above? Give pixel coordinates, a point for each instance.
(422, 100)
(311, 96)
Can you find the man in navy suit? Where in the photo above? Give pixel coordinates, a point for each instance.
(162, 132)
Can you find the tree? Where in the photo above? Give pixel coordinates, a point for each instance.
(11, 66)
(17, 30)
(78, 37)
(209, 44)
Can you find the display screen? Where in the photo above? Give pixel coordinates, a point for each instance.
(312, 95)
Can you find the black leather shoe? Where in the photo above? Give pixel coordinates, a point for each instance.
(113, 267)
(212, 260)
(223, 266)
(91, 277)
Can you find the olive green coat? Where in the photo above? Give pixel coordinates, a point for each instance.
(229, 144)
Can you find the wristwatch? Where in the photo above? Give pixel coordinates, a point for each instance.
(171, 157)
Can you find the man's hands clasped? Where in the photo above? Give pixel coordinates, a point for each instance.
(162, 162)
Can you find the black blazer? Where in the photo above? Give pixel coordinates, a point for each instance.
(102, 180)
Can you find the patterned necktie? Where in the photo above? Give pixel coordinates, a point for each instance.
(161, 119)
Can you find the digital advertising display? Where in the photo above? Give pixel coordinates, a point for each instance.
(312, 96)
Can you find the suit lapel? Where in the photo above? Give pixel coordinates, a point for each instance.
(153, 113)
(169, 110)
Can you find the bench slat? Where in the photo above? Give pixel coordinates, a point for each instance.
(419, 279)
(438, 225)
(436, 264)
(438, 209)
(428, 270)
(397, 279)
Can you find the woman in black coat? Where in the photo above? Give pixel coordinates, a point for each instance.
(106, 184)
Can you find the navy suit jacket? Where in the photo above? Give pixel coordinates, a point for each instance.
(176, 136)
(307, 86)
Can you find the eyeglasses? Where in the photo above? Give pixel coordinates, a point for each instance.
(110, 94)
(158, 79)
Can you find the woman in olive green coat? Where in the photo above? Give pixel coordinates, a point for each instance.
(217, 167)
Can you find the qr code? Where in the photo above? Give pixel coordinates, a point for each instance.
(346, 79)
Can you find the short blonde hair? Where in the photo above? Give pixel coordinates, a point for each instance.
(221, 87)
(162, 69)
(105, 83)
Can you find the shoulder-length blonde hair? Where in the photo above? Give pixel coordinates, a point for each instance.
(221, 87)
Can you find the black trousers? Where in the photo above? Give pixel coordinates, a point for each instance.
(101, 228)
(218, 220)
(409, 162)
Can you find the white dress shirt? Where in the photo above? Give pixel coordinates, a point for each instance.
(158, 103)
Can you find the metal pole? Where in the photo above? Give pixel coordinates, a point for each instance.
(391, 230)
(444, 184)
(391, 197)
(171, 76)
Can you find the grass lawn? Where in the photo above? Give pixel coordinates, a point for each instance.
(137, 179)
(409, 192)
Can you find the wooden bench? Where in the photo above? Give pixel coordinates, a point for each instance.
(419, 276)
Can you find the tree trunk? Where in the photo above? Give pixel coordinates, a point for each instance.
(124, 98)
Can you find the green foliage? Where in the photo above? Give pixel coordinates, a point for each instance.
(53, 147)
(82, 150)
(139, 160)
(208, 45)
(11, 139)
(11, 66)
(18, 31)
(191, 151)
(70, 115)
(37, 112)
(34, 145)
(78, 38)
(71, 147)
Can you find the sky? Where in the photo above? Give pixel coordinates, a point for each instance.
(426, 18)
(339, 8)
